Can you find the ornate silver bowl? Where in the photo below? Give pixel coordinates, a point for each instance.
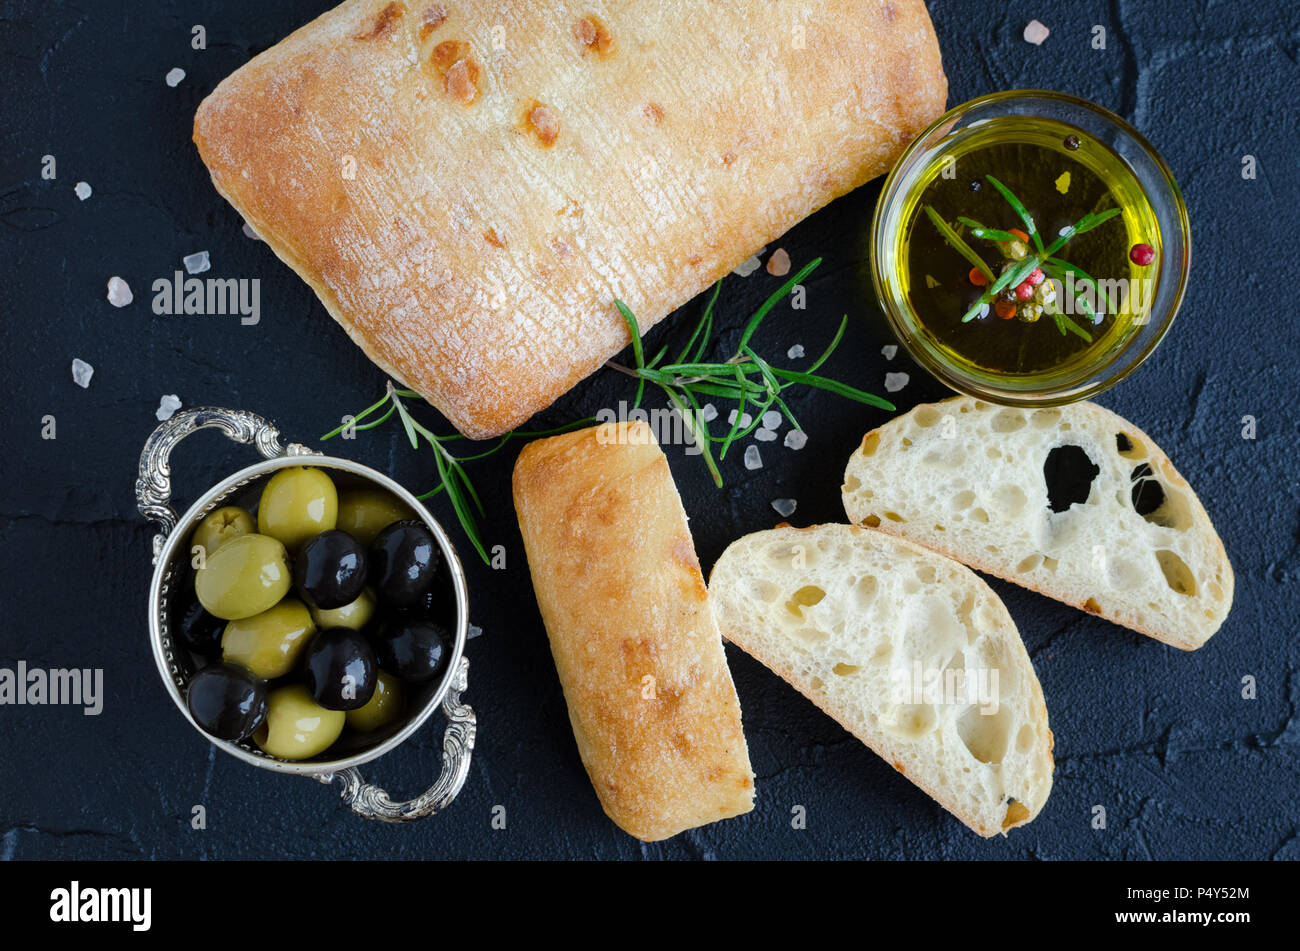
(171, 570)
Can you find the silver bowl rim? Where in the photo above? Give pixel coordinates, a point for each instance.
(184, 526)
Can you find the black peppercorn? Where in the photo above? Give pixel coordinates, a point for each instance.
(1072, 142)
(975, 185)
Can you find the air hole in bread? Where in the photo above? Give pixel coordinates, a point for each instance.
(1045, 418)
(911, 586)
(926, 416)
(852, 484)
(1016, 814)
(805, 597)
(926, 574)
(1130, 447)
(1008, 421)
(864, 590)
(1049, 563)
(979, 515)
(1069, 473)
(911, 720)
(1178, 576)
(1091, 606)
(845, 670)
(981, 406)
(809, 635)
(963, 500)
(1025, 739)
(894, 517)
(872, 521)
(765, 590)
(1156, 503)
(870, 443)
(985, 734)
(906, 443)
(1028, 564)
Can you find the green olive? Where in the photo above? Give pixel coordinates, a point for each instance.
(383, 707)
(297, 505)
(363, 512)
(355, 615)
(243, 577)
(269, 644)
(296, 726)
(220, 527)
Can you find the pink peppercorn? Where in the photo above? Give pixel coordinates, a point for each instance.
(1025, 291)
(1142, 254)
(1035, 276)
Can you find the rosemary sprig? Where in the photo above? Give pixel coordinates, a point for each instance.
(754, 383)
(452, 477)
(1043, 256)
(955, 241)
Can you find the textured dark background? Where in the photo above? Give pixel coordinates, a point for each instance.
(1162, 739)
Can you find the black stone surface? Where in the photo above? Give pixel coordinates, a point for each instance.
(1184, 767)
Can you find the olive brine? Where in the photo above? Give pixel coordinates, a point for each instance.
(312, 617)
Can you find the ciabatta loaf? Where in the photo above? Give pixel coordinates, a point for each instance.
(911, 652)
(650, 697)
(1076, 503)
(468, 184)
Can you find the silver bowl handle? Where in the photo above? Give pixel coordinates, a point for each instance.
(153, 486)
(372, 802)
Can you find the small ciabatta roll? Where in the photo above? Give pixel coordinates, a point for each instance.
(910, 651)
(468, 184)
(1125, 537)
(650, 697)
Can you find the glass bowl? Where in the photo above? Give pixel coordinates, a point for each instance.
(1107, 367)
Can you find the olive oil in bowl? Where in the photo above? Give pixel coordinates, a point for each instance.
(1021, 256)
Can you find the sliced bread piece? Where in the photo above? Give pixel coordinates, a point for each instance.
(1074, 502)
(865, 626)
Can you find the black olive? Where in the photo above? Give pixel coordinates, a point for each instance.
(227, 701)
(331, 569)
(416, 650)
(200, 631)
(341, 669)
(403, 562)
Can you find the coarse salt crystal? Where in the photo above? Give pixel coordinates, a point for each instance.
(765, 435)
(474, 631)
(895, 381)
(784, 507)
(983, 311)
(250, 233)
(119, 293)
(795, 352)
(745, 420)
(796, 439)
(778, 265)
(167, 406)
(174, 76)
(752, 459)
(709, 412)
(889, 350)
(83, 190)
(1036, 32)
(197, 262)
(748, 266)
(81, 372)
(772, 419)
